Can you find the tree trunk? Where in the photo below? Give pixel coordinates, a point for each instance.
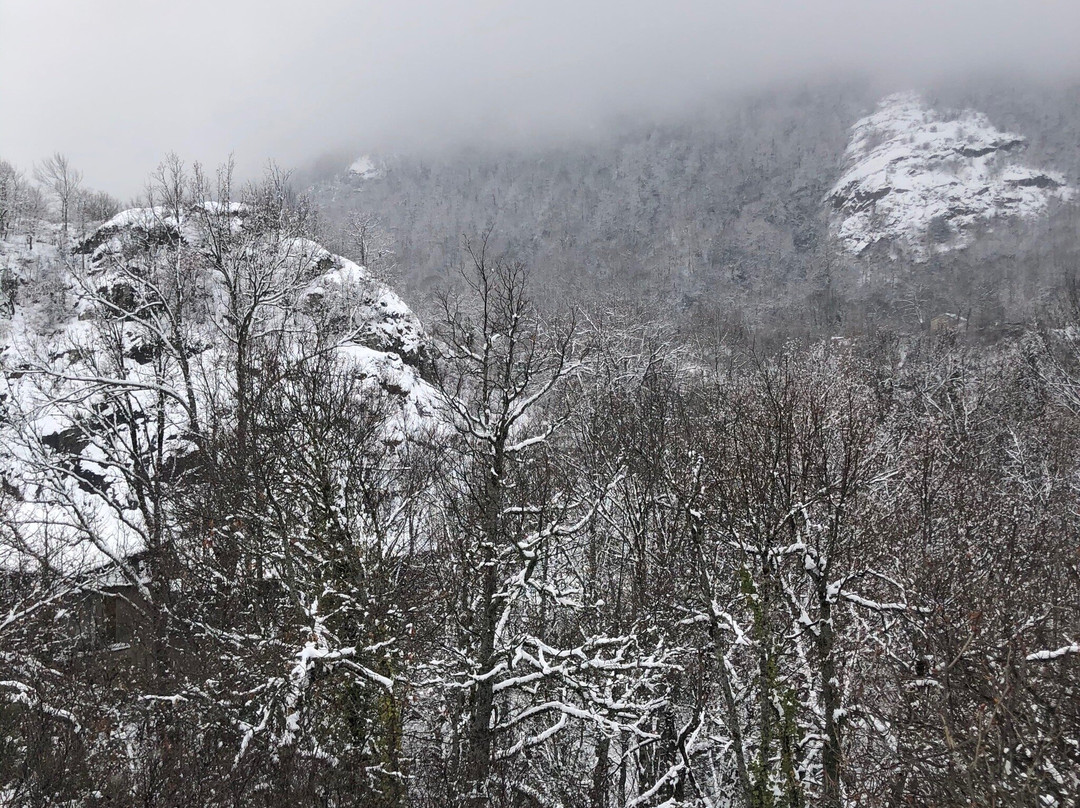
(830, 700)
(731, 716)
(598, 797)
(478, 766)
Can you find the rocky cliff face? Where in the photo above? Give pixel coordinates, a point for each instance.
(918, 182)
(365, 167)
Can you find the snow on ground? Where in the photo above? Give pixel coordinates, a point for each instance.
(920, 182)
(420, 410)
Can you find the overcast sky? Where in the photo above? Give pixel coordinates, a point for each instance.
(116, 84)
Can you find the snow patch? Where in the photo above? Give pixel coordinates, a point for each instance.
(365, 168)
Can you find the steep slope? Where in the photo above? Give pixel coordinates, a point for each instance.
(919, 182)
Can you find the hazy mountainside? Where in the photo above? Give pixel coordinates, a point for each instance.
(731, 195)
(727, 212)
(918, 182)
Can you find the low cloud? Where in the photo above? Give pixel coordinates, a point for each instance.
(118, 83)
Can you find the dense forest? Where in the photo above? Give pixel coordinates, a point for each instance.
(652, 497)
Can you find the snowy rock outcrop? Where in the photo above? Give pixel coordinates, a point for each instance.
(126, 350)
(330, 284)
(919, 182)
(364, 167)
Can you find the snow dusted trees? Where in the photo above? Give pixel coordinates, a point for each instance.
(524, 664)
(798, 455)
(372, 245)
(987, 541)
(12, 191)
(499, 368)
(772, 496)
(198, 427)
(23, 203)
(744, 493)
(311, 560)
(251, 555)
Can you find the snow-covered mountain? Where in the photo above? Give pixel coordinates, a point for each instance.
(919, 182)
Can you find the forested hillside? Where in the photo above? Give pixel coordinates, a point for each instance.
(592, 475)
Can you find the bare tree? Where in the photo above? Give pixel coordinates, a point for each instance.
(64, 182)
(514, 531)
(12, 193)
(372, 245)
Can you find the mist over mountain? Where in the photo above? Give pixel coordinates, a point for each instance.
(275, 80)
